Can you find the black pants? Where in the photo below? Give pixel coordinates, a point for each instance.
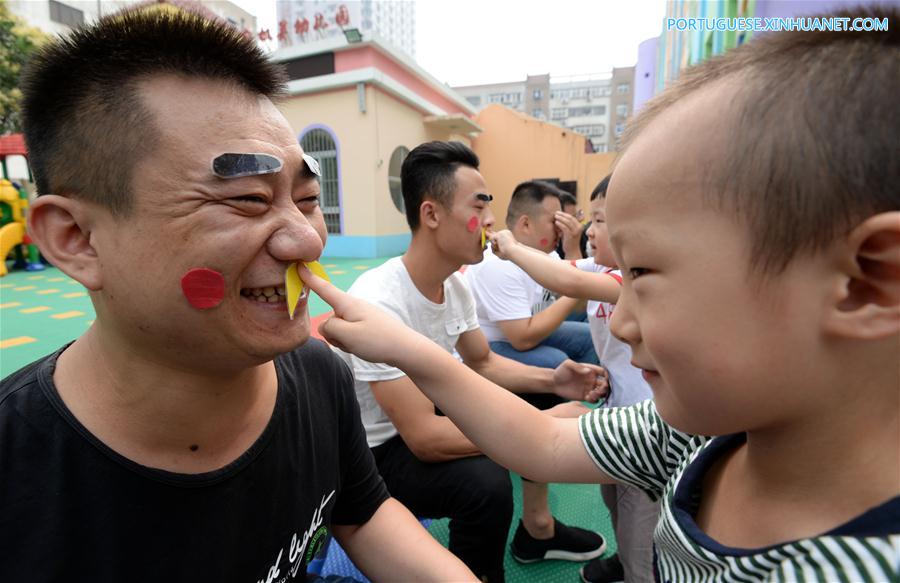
(474, 492)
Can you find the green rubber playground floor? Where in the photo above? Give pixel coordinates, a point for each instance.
(41, 311)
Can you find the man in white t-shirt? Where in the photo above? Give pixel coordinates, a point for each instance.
(520, 319)
(426, 461)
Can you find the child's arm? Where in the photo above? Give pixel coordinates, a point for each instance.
(502, 425)
(553, 274)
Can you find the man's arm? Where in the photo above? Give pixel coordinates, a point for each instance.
(393, 546)
(567, 380)
(555, 275)
(430, 438)
(526, 333)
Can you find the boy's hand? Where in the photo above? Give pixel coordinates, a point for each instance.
(580, 382)
(570, 229)
(359, 327)
(567, 410)
(502, 243)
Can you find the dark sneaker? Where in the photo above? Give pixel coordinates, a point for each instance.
(603, 571)
(568, 544)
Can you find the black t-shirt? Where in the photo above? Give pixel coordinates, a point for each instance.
(71, 509)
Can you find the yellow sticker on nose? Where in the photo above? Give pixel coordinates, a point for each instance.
(483, 237)
(293, 285)
(317, 268)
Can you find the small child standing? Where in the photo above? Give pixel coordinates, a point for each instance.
(634, 514)
(755, 217)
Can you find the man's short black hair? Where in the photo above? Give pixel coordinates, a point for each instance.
(527, 198)
(600, 189)
(567, 198)
(85, 123)
(429, 172)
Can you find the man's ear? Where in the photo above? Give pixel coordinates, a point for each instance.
(523, 223)
(60, 228)
(428, 215)
(869, 304)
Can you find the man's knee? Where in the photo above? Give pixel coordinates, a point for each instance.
(491, 488)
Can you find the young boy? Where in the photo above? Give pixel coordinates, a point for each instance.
(634, 514)
(754, 216)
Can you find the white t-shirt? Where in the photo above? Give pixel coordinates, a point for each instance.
(503, 291)
(628, 386)
(390, 288)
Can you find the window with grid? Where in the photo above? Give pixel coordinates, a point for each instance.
(319, 144)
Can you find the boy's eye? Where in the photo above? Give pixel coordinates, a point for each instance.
(636, 272)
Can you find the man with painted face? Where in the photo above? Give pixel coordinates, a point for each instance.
(194, 432)
(426, 461)
(520, 319)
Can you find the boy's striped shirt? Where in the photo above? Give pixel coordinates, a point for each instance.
(634, 445)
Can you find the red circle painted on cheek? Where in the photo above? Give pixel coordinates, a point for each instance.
(544, 242)
(472, 225)
(204, 288)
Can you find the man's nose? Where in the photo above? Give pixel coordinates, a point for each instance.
(295, 239)
(488, 219)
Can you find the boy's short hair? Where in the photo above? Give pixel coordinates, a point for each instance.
(429, 172)
(813, 134)
(527, 198)
(601, 188)
(86, 125)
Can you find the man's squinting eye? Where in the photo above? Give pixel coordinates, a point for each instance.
(250, 198)
(308, 202)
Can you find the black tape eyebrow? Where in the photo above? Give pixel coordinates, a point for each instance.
(238, 165)
(484, 197)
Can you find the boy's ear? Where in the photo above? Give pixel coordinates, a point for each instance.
(869, 306)
(61, 229)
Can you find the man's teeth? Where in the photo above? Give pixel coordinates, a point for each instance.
(267, 294)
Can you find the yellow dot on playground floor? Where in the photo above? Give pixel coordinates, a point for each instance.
(73, 282)
(7, 284)
(55, 279)
(44, 292)
(67, 315)
(361, 267)
(33, 277)
(330, 265)
(338, 272)
(74, 295)
(35, 310)
(25, 288)
(16, 341)
(10, 304)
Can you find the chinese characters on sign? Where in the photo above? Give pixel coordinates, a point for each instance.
(322, 25)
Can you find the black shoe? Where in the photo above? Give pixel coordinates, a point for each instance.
(568, 544)
(603, 571)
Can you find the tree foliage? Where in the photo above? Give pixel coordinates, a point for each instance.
(17, 42)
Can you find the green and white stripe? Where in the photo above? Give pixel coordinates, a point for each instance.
(634, 445)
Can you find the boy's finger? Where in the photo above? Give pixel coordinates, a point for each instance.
(329, 293)
(330, 329)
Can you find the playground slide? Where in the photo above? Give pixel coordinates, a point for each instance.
(10, 236)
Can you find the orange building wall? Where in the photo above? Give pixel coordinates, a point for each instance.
(515, 147)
